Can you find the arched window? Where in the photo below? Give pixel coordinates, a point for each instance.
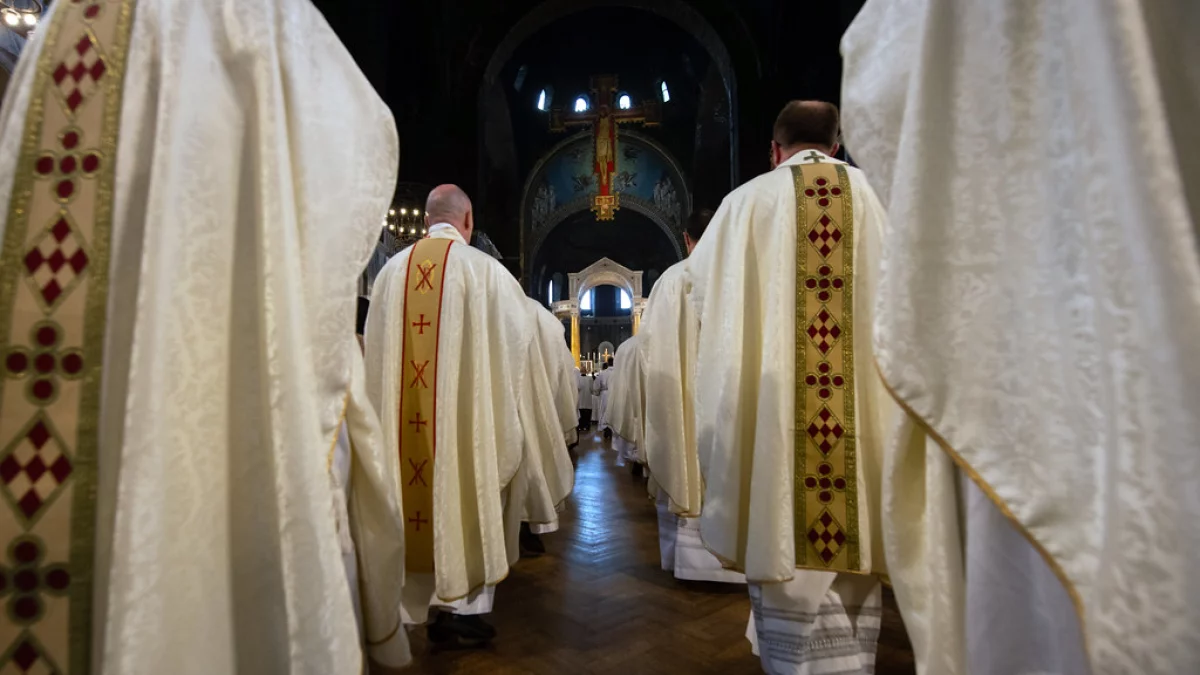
(625, 102)
(543, 101)
(626, 301)
(581, 104)
(666, 93)
(585, 303)
(550, 291)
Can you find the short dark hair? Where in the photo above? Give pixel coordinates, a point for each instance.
(807, 123)
(609, 362)
(697, 223)
(364, 305)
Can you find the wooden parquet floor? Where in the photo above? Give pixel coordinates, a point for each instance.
(598, 603)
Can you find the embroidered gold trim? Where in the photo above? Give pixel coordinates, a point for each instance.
(62, 189)
(337, 431)
(418, 398)
(825, 484)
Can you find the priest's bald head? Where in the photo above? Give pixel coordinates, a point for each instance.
(449, 204)
(804, 125)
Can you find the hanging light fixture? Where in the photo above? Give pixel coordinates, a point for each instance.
(23, 18)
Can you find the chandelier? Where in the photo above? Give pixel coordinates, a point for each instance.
(404, 224)
(21, 16)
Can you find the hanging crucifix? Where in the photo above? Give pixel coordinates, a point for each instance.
(604, 116)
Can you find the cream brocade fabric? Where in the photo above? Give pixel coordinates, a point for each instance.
(1040, 305)
(229, 347)
(483, 425)
(670, 326)
(744, 290)
(547, 476)
(627, 398)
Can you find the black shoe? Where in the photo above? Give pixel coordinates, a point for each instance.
(449, 631)
(531, 544)
(607, 434)
(637, 470)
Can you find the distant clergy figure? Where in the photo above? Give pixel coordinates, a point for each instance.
(669, 328)
(600, 387)
(449, 349)
(626, 407)
(584, 396)
(1040, 318)
(791, 413)
(185, 215)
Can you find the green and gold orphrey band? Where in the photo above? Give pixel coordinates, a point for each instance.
(53, 303)
(825, 479)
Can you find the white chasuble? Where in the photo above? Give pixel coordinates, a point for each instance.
(600, 402)
(476, 430)
(560, 367)
(546, 476)
(177, 230)
(627, 399)
(790, 414)
(1038, 317)
(669, 328)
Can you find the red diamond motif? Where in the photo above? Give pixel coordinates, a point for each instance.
(25, 656)
(826, 536)
(79, 73)
(55, 261)
(34, 468)
(825, 430)
(824, 331)
(825, 236)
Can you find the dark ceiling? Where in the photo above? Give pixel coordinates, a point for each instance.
(630, 239)
(428, 59)
(641, 49)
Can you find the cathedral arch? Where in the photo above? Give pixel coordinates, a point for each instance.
(650, 183)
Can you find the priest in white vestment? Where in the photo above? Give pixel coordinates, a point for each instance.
(790, 413)
(549, 475)
(669, 328)
(560, 368)
(1039, 316)
(627, 402)
(584, 396)
(449, 359)
(600, 388)
(182, 238)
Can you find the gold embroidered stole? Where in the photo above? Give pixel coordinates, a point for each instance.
(423, 286)
(53, 303)
(824, 482)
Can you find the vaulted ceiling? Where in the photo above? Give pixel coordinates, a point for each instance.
(430, 61)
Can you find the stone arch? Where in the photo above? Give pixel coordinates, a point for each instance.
(605, 272)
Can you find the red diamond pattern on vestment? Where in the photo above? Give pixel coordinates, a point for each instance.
(55, 261)
(825, 235)
(827, 536)
(33, 468)
(826, 430)
(824, 331)
(25, 657)
(79, 73)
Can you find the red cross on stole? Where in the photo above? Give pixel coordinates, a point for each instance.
(424, 282)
